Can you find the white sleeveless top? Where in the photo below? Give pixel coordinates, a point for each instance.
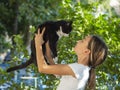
(68, 82)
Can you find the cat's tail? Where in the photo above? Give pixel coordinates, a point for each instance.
(21, 66)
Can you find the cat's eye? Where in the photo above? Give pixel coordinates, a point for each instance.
(68, 24)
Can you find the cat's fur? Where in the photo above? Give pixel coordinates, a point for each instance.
(53, 31)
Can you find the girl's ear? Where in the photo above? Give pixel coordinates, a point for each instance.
(87, 51)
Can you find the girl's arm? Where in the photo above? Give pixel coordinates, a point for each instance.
(58, 69)
(48, 53)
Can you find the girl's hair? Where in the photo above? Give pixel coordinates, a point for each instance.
(98, 54)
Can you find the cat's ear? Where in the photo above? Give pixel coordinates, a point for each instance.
(69, 23)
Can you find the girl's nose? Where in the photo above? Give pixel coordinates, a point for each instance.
(78, 41)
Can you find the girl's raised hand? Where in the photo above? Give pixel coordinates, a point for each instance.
(39, 37)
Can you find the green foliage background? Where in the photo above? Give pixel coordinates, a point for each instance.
(85, 22)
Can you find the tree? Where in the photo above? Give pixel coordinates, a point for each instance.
(16, 18)
(85, 21)
(105, 25)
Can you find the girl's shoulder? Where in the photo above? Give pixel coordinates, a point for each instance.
(79, 69)
(79, 66)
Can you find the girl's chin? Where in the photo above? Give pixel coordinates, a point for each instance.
(73, 49)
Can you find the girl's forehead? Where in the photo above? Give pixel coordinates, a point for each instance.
(88, 37)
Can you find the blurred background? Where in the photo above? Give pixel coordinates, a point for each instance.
(19, 19)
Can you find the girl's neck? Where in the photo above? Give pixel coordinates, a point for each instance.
(83, 60)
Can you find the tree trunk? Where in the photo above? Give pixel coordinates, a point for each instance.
(15, 25)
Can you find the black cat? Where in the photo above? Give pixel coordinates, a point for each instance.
(53, 31)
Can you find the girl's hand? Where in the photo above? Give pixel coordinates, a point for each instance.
(39, 37)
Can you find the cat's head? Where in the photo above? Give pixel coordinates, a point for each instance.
(65, 27)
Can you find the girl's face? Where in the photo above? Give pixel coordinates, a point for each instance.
(81, 46)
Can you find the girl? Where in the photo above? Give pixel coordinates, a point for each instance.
(90, 51)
